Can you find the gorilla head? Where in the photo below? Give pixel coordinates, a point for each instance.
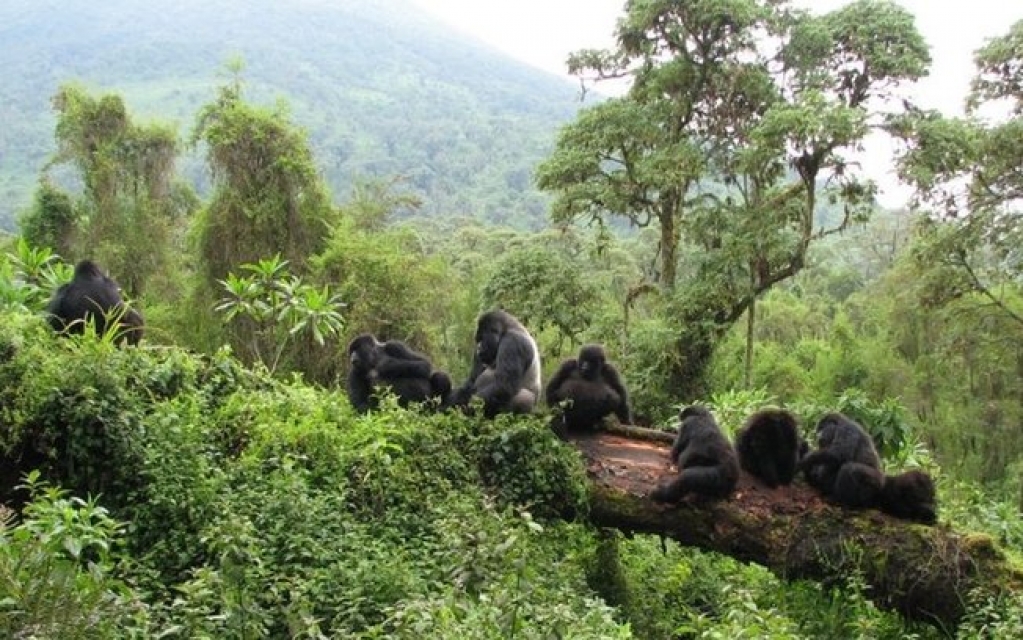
(591, 361)
(363, 353)
(490, 328)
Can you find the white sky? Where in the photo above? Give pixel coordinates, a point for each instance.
(544, 32)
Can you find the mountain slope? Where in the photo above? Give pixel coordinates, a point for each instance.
(383, 88)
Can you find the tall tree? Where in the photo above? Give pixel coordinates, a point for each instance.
(127, 170)
(968, 170)
(268, 199)
(734, 133)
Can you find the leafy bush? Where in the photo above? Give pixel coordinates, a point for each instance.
(57, 571)
(525, 465)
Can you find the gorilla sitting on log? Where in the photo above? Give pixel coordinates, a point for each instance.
(846, 468)
(769, 446)
(505, 369)
(92, 296)
(707, 463)
(591, 388)
(392, 365)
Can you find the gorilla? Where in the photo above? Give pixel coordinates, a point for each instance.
(707, 463)
(910, 496)
(592, 389)
(505, 369)
(93, 296)
(769, 446)
(846, 468)
(841, 441)
(392, 365)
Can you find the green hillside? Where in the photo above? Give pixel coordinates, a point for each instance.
(382, 87)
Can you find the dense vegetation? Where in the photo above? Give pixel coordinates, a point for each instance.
(215, 482)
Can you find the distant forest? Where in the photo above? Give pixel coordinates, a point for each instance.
(383, 89)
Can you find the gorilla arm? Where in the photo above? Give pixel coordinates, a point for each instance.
(552, 394)
(613, 380)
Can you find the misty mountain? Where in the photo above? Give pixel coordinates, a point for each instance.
(382, 87)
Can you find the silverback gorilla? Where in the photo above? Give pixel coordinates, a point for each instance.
(505, 369)
(92, 296)
(394, 366)
(846, 468)
(707, 464)
(591, 389)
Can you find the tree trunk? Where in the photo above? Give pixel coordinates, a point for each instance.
(923, 572)
(751, 318)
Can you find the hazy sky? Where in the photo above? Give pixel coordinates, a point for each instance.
(543, 32)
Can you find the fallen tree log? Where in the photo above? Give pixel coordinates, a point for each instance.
(924, 572)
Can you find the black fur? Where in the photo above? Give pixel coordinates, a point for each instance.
(392, 365)
(505, 370)
(839, 441)
(92, 296)
(846, 468)
(769, 446)
(707, 463)
(590, 388)
(910, 496)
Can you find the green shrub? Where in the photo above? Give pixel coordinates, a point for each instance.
(57, 571)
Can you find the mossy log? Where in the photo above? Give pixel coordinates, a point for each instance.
(924, 572)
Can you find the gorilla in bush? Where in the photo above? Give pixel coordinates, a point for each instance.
(591, 388)
(707, 463)
(92, 296)
(392, 365)
(845, 467)
(769, 446)
(505, 369)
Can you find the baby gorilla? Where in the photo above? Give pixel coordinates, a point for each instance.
(590, 389)
(846, 468)
(392, 365)
(707, 464)
(769, 446)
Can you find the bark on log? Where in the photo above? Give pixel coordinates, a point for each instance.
(921, 571)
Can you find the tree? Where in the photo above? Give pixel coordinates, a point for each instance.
(968, 171)
(128, 207)
(268, 197)
(732, 137)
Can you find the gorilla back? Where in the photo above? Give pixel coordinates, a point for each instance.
(92, 296)
(707, 463)
(768, 446)
(506, 367)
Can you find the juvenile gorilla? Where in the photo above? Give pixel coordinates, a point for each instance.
(840, 467)
(505, 369)
(707, 464)
(92, 296)
(846, 468)
(591, 388)
(392, 365)
(769, 446)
